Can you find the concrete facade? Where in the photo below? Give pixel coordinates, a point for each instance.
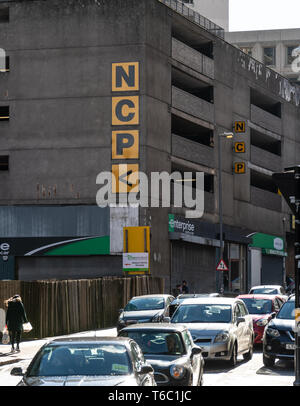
(193, 86)
(284, 43)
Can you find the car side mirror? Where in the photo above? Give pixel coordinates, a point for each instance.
(167, 319)
(273, 315)
(240, 320)
(146, 369)
(17, 371)
(196, 350)
(121, 310)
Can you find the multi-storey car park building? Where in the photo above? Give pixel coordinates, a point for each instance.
(186, 86)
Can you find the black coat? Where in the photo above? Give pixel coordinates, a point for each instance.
(15, 316)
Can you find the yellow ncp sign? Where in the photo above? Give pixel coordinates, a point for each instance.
(240, 126)
(125, 112)
(239, 167)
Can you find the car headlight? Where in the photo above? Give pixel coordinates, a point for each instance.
(262, 322)
(177, 371)
(272, 332)
(222, 337)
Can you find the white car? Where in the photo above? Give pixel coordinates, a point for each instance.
(221, 326)
(269, 290)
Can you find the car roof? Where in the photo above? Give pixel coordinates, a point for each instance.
(210, 300)
(152, 295)
(257, 296)
(171, 327)
(193, 295)
(266, 286)
(89, 340)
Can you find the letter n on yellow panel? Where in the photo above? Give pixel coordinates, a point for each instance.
(125, 76)
(125, 144)
(125, 178)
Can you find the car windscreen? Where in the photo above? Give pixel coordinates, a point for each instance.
(202, 313)
(258, 306)
(149, 303)
(287, 311)
(265, 291)
(157, 342)
(81, 359)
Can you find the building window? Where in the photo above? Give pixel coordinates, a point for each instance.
(4, 162)
(270, 56)
(4, 15)
(188, 1)
(4, 113)
(247, 50)
(4, 64)
(292, 53)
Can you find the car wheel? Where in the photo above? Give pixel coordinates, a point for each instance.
(249, 354)
(268, 361)
(233, 359)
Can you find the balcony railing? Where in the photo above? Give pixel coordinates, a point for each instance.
(265, 199)
(192, 58)
(265, 119)
(197, 18)
(192, 151)
(265, 159)
(192, 105)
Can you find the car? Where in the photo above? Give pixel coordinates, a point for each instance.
(176, 360)
(145, 309)
(88, 361)
(262, 308)
(279, 335)
(183, 296)
(221, 326)
(290, 285)
(269, 290)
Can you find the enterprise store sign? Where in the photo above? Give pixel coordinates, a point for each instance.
(180, 225)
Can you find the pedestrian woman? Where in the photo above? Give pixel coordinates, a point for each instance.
(15, 317)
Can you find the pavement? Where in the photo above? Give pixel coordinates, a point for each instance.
(29, 348)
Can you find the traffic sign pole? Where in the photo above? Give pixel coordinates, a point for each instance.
(289, 185)
(297, 271)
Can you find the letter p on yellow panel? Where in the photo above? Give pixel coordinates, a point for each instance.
(125, 77)
(125, 144)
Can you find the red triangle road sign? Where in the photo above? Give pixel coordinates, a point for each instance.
(222, 266)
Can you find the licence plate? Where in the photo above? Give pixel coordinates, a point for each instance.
(290, 346)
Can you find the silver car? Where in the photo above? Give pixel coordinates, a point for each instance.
(222, 327)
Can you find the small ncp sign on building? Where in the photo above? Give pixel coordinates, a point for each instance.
(240, 127)
(239, 167)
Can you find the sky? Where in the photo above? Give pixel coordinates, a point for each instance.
(248, 15)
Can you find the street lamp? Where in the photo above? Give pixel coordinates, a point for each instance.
(222, 135)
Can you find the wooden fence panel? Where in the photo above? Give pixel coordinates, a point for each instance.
(62, 307)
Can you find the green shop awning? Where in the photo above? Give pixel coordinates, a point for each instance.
(269, 244)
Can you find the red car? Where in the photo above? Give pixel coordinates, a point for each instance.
(262, 308)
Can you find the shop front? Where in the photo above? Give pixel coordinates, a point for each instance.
(267, 260)
(193, 254)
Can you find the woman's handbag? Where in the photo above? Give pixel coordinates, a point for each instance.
(27, 327)
(5, 337)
